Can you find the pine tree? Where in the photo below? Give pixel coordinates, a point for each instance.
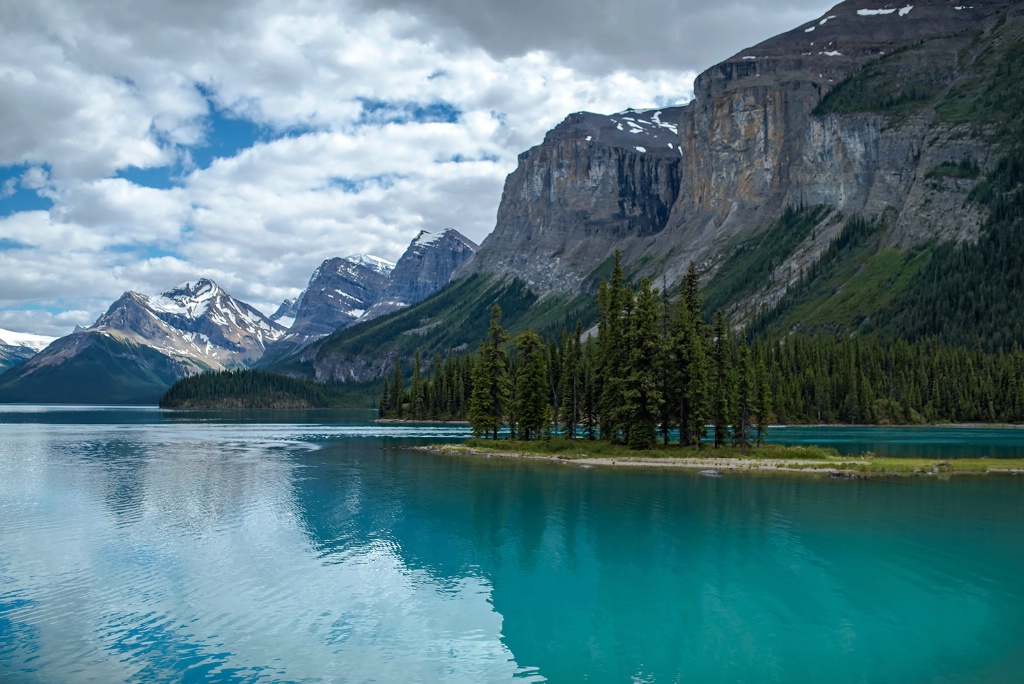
(571, 360)
(762, 401)
(491, 385)
(722, 382)
(745, 399)
(613, 302)
(641, 398)
(531, 386)
(416, 391)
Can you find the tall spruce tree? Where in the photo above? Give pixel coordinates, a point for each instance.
(641, 389)
(745, 398)
(417, 394)
(491, 385)
(613, 302)
(532, 410)
(722, 385)
(571, 382)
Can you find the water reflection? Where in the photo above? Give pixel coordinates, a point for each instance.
(256, 551)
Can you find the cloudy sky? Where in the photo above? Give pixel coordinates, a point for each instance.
(144, 143)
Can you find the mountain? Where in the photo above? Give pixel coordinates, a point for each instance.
(285, 314)
(135, 350)
(18, 347)
(750, 145)
(339, 292)
(426, 266)
(861, 173)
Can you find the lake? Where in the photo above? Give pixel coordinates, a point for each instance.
(139, 545)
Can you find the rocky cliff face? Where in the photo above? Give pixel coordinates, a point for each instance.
(594, 182)
(338, 293)
(750, 144)
(425, 268)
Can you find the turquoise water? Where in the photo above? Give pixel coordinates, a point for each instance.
(139, 545)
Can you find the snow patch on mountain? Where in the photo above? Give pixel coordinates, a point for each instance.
(16, 339)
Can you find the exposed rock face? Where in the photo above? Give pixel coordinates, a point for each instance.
(594, 182)
(753, 147)
(425, 268)
(748, 145)
(339, 292)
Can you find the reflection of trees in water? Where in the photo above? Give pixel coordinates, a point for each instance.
(614, 573)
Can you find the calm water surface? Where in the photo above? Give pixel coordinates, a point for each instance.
(139, 545)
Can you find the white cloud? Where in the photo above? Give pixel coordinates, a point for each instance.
(90, 89)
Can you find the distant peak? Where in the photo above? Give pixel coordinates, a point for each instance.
(428, 239)
(370, 261)
(193, 288)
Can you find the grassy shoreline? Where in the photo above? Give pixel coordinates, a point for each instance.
(810, 460)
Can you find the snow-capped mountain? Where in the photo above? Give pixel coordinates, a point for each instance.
(426, 267)
(142, 344)
(196, 321)
(338, 293)
(16, 347)
(9, 338)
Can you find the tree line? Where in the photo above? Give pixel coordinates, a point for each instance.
(658, 372)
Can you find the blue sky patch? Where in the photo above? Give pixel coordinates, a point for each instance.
(380, 112)
(14, 197)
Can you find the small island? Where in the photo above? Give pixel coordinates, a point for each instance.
(770, 458)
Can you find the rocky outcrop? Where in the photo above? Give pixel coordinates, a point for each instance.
(753, 144)
(594, 182)
(426, 267)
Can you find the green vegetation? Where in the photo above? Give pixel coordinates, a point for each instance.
(965, 168)
(750, 265)
(772, 457)
(255, 389)
(105, 371)
(895, 85)
(971, 294)
(563, 447)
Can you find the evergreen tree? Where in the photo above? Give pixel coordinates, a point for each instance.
(762, 401)
(532, 409)
(417, 397)
(641, 397)
(722, 385)
(745, 398)
(571, 361)
(491, 385)
(614, 300)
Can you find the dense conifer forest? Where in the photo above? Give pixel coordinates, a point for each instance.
(657, 371)
(257, 389)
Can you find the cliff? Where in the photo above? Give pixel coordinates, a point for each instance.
(753, 142)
